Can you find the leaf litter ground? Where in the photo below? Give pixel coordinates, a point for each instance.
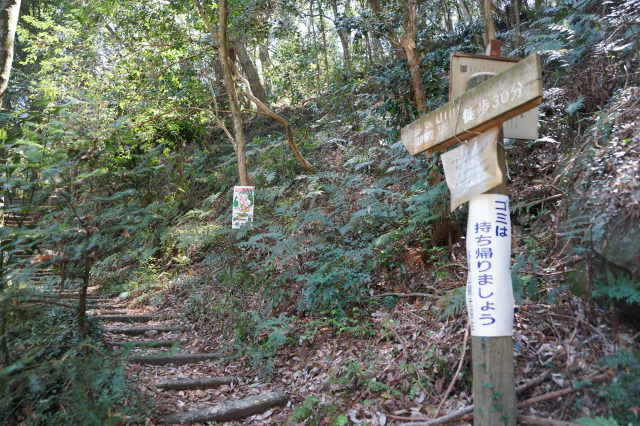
(399, 371)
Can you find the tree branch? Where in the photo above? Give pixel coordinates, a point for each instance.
(46, 302)
(281, 120)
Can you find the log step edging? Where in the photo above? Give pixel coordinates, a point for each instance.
(177, 359)
(198, 383)
(232, 410)
(139, 331)
(74, 296)
(148, 344)
(90, 306)
(107, 313)
(125, 318)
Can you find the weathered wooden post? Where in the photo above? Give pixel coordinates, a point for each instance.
(476, 172)
(494, 395)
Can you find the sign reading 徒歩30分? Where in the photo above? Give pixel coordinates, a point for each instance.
(498, 99)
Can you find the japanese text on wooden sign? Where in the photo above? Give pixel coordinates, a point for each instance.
(489, 291)
(500, 98)
(463, 66)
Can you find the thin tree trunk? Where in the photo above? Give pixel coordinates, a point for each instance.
(288, 131)
(314, 38)
(516, 10)
(490, 25)
(465, 10)
(447, 18)
(265, 61)
(324, 37)
(82, 303)
(248, 68)
(4, 343)
(409, 44)
(9, 12)
(179, 162)
(344, 37)
(217, 71)
(227, 68)
(367, 40)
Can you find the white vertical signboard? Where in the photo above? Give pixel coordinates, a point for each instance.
(489, 291)
(243, 197)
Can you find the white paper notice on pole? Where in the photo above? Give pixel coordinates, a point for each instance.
(243, 197)
(472, 169)
(489, 292)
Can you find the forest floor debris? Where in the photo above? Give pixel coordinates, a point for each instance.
(396, 366)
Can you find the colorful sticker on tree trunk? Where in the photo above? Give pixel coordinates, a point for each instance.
(243, 197)
(489, 292)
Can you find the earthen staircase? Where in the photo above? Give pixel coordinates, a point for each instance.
(133, 335)
(142, 340)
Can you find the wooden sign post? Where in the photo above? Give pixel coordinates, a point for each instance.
(494, 394)
(489, 101)
(498, 99)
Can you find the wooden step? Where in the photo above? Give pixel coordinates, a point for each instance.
(125, 318)
(92, 306)
(177, 359)
(139, 331)
(147, 343)
(106, 312)
(75, 296)
(198, 383)
(232, 410)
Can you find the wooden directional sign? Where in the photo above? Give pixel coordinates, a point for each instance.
(498, 99)
(463, 66)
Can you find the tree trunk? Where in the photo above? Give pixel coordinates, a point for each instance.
(516, 12)
(217, 71)
(315, 40)
(344, 37)
(9, 12)
(465, 10)
(409, 44)
(369, 50)
(324, 38)
(248, 68)
(490, 24)
(228, 70)
(288, 131)
(265, 61)
(447, 18)
(82, 303)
